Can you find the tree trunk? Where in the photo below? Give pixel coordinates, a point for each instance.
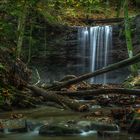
(111, 67)
(128, 37)
(21, 26)
(59, 99)
(106, 8)
(30, 44)
(86, 93)
(45, 41)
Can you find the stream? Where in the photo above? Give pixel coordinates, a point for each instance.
(46, 114)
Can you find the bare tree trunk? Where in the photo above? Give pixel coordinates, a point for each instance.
(111, 67)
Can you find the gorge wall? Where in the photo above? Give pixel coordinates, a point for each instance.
(61, 57)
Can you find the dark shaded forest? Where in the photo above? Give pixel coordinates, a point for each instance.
(76, 61)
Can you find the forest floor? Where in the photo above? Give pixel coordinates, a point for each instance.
(106, 111)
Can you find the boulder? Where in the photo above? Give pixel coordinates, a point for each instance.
(86, 125)
(59, 130)
(104, 127)
(75, 128)
(16, 125)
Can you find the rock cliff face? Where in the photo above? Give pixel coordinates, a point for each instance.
(62, 55)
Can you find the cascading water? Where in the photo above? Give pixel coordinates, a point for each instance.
(83, 37)
(96, 45)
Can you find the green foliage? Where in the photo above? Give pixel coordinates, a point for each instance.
(119, 7)
(47, 15)
(132, 82)
(2, 67)
(134, 69)
(53, 11)
(90, 5)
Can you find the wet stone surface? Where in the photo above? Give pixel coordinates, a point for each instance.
(73, 128)
(59, 130)
(43, 124)
(17, 125)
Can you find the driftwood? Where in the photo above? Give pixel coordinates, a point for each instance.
(86, 93)
(66, 102)
(106, 69)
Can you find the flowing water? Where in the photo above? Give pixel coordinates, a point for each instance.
(96, 45)
(34, 136)
(51, 114)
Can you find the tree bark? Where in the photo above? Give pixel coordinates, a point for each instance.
(21, 27)
(86, 93)
(30, 43)
(66, 102)
(106, 69)
(128, 37)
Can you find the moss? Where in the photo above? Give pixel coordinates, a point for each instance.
(132, 82)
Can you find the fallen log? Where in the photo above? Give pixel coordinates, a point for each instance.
(66, 102)
(86, 93)
(109, 20)
(106, 69)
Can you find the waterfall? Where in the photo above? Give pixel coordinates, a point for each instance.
(83, 36)
(95, 44)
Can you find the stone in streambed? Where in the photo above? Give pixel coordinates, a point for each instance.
(16, 125)
(59, 130)
(104, 127)
(76, 128)
(85, 125)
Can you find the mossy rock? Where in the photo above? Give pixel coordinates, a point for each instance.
(132, 82)
(59, 130)
(104, 127)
